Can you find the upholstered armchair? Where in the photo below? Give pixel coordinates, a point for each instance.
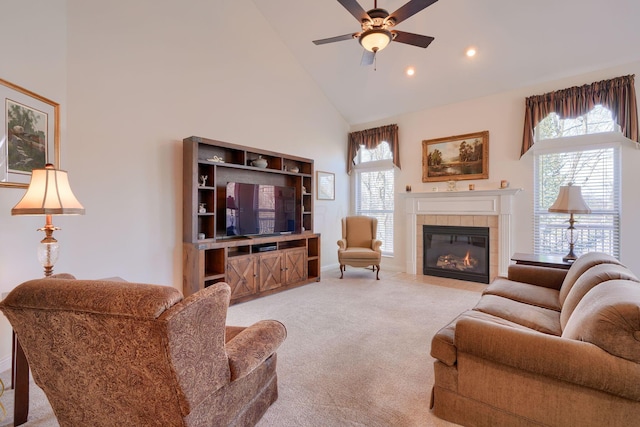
(359, 246)
(124, 354)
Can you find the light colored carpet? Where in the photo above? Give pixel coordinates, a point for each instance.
(356, 353)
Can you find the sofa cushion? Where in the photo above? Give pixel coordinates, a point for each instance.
(355, 253)
(587, 281)
(443, 345)
(582, 264)
(546, 277)
(609, 317)
(524, 292)
(536, 318)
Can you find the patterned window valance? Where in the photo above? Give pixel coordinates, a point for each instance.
(370, 139)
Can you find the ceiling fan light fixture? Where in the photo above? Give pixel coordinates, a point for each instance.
(375, 40)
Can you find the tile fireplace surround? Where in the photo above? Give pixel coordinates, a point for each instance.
(479, 208)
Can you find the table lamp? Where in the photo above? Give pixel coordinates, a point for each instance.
(570, 201)
(48, 194)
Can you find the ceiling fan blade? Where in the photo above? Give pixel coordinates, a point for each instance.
(410, 9)
(367, 57)
(355, 9)
(412, 39)
(334, 39)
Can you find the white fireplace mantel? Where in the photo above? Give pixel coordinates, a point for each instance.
(478, 202)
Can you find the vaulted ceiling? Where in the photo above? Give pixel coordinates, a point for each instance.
(519, 43)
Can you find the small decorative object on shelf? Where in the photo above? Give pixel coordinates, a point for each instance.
(504, 184)
(259, 162)
(202, 208)
(472, 187)
(295, 169)
(201, 236)
(451, 186)
(304, 190)
(203, 180)
(216, 159)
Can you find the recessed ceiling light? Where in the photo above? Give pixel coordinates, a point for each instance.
(471, 52)
(411, 71)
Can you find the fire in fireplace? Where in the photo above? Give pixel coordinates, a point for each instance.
(456, 252)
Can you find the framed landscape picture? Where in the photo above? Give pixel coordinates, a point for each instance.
(30, 136)
(455, 158)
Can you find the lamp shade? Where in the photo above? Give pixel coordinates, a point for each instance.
(375, 40)
(49, 193)
(570, 201)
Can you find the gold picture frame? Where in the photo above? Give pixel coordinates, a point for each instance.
(456, 158)
(325, 185)
(30, 136)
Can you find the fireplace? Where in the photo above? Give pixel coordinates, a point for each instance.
(456, 252)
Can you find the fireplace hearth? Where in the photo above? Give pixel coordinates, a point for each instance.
(456, 252)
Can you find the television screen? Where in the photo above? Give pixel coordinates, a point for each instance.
(259, 209)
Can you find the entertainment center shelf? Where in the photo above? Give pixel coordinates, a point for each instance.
(256, 264)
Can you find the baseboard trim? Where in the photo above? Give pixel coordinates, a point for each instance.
(5, 363)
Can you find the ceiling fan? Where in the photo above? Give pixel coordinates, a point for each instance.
(377, 26)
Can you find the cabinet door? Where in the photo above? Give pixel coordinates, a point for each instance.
(271, 269)
(241, 275)
(295, 269)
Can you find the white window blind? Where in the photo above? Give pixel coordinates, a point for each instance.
(597, 172)
(374, 191)
(375, 198)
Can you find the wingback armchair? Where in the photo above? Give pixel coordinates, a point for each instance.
(359, 246)
(115, 353)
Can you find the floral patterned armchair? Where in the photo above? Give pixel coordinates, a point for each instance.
(115, 353)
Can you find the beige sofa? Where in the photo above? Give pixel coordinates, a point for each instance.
(544, 347)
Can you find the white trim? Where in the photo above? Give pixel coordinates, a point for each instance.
(5, 364)
(578, 142)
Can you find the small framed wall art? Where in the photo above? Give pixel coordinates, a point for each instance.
(30, 137)
(326, 183)
(455, 158)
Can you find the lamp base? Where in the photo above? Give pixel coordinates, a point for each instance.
(570, 257)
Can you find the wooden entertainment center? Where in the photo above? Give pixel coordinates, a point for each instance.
(253, 265)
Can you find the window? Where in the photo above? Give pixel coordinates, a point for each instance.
(595, 168)
(374, 184)
(597, 120)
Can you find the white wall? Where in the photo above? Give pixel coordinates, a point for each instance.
(503, 116)
(33, 46)
(133, 80)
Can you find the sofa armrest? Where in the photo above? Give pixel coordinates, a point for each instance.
(342, 244)
(254, 345)
(540, 276)
(376, 245)
(559, 358)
